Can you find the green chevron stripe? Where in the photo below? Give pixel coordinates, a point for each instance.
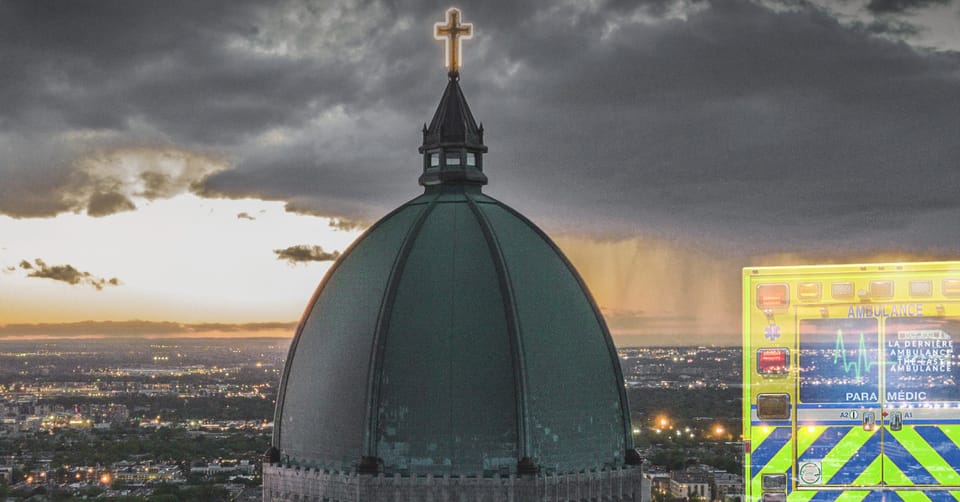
(759, 435)
(852, 496)
(872, 474)
(952, 432)
(806, 436)
(892, 475)
(800, 495)
(913, 496)
(780, 462)
(926, 455)
(843, 451)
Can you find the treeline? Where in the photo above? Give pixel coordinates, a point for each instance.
(685, 404)
(176, 408)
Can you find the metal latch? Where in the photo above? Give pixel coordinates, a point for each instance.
(896, 421)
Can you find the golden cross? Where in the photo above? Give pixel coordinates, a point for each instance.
(451, 33)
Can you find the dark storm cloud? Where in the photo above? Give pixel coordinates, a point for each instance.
(345, 225)
(734, 123)
(305, 253)
(103, 204)
(66, 273)
(885, 6)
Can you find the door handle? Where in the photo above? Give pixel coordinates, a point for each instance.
(896, 421)
(869, 421)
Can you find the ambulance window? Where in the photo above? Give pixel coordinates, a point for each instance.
(921, 359)
(839, 361)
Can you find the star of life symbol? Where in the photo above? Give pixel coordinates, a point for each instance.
(771, 332)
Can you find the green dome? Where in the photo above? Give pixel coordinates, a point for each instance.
(452, 338)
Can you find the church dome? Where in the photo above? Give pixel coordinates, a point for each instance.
(452, 338)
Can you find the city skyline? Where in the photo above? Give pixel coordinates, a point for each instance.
(199, 168)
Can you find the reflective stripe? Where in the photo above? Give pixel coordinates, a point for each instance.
(826, 441)
(844, 453)
(943, 459)
(771, 446)
(906, 460)
(893, 475)
(872, 474)
(853, 458)
(825, 496)
(941, 496)
(882, 496)
(910, 496)
(807, 435)
(851, 496)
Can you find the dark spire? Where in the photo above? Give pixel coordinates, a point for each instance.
(453, 123)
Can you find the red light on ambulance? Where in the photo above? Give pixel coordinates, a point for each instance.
(771, 296)
(773, 361)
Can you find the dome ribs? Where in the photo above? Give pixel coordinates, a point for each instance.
(525, 464)
(370, 462)
(631, 455)
(284, 378)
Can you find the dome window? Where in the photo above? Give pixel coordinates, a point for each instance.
(453, 158)
(471, 159)
(435, 159)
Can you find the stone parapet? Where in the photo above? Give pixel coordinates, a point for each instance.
(289, 484)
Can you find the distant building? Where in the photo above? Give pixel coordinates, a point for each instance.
(705, 482)
(657, 483)
(690, 485)
(6, 474)
(223, 467)
(727, 487)
(137, 473)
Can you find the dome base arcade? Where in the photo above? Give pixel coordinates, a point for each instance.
(289, 484)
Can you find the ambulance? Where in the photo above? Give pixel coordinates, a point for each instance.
(851, 382)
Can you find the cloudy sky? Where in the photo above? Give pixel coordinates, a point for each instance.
(199, 165)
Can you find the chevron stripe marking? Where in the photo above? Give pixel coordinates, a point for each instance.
(913, 496)
(948, 454)
(892, 475)
(871, 474)
(882, 496)
(823, 444)
(941, 496)
(769, 448)
(853, 456)
(906, 461)
(825, 496)
(851, 496)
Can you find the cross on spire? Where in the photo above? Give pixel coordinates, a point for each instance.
(452, 32)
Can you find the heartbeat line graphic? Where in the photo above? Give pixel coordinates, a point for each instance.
(862, 364)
